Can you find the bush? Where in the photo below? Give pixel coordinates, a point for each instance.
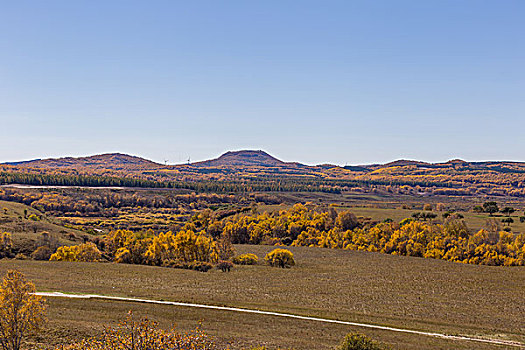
(264, 348)
(224, 266)
(34, 217)
(42, 253)
(356, 341)
(6, 245)
(280, 258)
(87, 252)
(145, 335)
(246, 259)
(200, 266)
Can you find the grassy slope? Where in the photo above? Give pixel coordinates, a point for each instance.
(23, 229)
(356, 286)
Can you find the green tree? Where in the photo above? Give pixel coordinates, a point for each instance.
(507, 221)
(490, 207)
(478, 209)
(508, 211)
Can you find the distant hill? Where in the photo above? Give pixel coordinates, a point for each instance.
(244, 158)
(256, 160)
(454, 177)
(112, 161)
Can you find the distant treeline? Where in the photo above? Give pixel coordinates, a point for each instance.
(74, 180)
(267, 184)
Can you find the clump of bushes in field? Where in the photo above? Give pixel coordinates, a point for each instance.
(280, 258)
(185, 249)
(208, 240)
(246, 259)
(306, 225)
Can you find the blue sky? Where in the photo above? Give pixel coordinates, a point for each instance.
(345, 82)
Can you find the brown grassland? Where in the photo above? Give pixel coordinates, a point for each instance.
(421, 294)
(398, 291)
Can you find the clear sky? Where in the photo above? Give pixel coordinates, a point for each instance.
(345, 82)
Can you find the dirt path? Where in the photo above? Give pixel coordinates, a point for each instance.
(279, 314)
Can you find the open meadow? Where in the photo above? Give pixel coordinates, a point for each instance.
(406, 292)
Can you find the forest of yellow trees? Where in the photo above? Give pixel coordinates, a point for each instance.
(208, 241)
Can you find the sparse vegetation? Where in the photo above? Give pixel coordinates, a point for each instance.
(145, 335)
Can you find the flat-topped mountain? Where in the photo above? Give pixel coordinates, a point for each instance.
(245, 158)
(114, 161)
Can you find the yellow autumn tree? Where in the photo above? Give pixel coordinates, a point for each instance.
(21, 311)
(280, 258)
(185, 246)
(6, 245)
(84, 252)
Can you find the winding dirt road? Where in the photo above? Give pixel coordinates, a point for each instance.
(279, 314)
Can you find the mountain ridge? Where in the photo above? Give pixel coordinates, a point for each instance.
(232, 159)
(115, 161)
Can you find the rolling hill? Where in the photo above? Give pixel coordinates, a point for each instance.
(455, 177)
(113, 161)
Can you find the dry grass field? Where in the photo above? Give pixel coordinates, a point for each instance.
(474, 221)
(420, 294)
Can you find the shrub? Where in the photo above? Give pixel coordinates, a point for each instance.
(264, 348)
(200, 266)
(42, 253)
(356, 341)
(34, 217)
(346, 221)
(88, 252)
(84, 252)
(145, 335)
(6, 245)
(246, 259)
(224, 265)
(280, 258)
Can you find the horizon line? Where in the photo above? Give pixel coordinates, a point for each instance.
(9, 162)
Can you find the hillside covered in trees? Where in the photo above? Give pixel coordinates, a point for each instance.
(245, 171)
